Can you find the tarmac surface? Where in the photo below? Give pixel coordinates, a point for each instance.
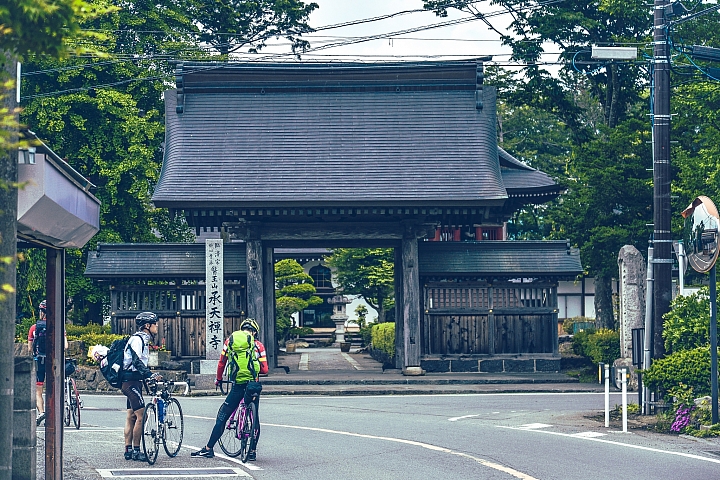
(310, 371)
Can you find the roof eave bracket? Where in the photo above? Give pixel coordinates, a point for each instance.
(479, 76)
(180, 108)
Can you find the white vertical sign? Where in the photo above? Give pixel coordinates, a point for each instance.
(214, 291)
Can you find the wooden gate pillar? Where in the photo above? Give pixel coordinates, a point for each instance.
(256, 285)
(411, 304)
(268, 326)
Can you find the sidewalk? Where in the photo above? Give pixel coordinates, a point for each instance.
(327, 371)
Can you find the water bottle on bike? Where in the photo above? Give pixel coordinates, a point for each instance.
(161, 410)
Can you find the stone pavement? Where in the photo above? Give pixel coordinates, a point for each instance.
(327, 371)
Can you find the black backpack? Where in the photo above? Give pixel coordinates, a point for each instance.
(39, 340)
(112, 365)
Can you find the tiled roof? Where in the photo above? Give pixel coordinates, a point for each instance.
(160, 260)
(351, 140)
(500, 258)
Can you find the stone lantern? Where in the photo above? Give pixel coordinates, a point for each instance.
(339, 317)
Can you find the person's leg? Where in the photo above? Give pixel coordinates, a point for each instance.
(136, 403)
(39, 383)
(226, 409)
(129, 425)
(137, 428)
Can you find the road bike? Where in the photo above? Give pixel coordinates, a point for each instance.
(241, 429)
(73, 404)
(163, 421)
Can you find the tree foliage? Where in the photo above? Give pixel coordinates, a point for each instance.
(232, 25)
(687, 324)
(368, 272)
(294, 292)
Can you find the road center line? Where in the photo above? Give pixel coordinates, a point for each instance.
(611, 442)
(428, 446)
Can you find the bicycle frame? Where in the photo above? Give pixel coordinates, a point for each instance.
(155, 430)
(73, 403)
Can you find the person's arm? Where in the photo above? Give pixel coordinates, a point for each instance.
(136, 342)
(31, 337)
(262, 357)
(222, 361)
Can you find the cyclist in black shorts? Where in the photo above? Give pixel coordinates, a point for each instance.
(135, 372)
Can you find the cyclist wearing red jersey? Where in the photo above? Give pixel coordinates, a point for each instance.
(248, 326)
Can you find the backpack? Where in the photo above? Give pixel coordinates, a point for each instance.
(39, 339)
(111, 366)
(244, 364)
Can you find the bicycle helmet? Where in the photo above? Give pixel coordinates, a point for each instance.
(145, 318)
(43, 305)
(250, 324)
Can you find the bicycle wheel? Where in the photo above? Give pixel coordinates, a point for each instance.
(248, 431)
(229, 441)
(174, 427)
(66, 412)
(150, 438)
(74, 404)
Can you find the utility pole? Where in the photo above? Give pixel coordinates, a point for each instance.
(662, 239)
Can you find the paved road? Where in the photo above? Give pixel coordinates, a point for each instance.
(344, 417)
(493, 436)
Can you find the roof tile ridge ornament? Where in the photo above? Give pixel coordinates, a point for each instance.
(479, 77)
(179, 85)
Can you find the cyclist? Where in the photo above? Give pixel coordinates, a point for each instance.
(37, 345)
(135, 372)
(257, 362)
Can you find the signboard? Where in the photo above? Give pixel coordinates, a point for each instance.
(214, 292)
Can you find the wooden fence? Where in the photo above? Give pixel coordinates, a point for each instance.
(484, 319)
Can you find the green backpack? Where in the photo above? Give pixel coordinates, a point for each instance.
(244, 364)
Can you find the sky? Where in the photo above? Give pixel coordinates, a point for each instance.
(464, 40)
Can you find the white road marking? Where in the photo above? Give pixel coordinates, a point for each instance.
(304, 359)
(628, 445)
(532, 426)
(455, 419)
(481, 461)
(351, 360)
(158, 472)
(588, 434)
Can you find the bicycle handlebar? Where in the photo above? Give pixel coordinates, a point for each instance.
(172, 384)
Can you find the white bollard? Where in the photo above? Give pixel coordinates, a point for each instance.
(624, 398)
(607, 395)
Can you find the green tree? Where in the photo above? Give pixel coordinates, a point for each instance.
(235, 24)
(687, 325)
(294, 292)
(368, 272)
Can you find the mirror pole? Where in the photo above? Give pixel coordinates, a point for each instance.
(713, 345)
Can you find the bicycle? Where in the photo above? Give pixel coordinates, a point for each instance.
(163, 421)
(73, 404)
(241, 430)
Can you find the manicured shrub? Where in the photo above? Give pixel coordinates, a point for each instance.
(687, 325)
(74, 332)
(383, 337)
(603, 346)
(580, 341)
(90, 339)
(690, 368)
